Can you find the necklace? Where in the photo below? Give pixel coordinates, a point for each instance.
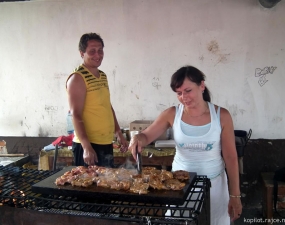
(198, 115)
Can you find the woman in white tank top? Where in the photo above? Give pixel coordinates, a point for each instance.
(205, 142)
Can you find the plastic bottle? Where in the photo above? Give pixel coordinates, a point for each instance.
(70, 128)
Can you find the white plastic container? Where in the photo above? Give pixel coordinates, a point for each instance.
(70, 127)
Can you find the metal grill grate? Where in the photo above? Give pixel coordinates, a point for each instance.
(15, 191)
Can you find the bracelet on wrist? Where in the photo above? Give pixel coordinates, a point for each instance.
(235, 196)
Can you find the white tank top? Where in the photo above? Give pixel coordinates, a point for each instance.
(200, 154)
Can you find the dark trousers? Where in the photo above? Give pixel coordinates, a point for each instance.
(104, 154)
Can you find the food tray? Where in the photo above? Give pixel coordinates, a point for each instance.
(47, 186)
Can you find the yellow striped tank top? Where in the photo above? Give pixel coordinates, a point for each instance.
(97, 113)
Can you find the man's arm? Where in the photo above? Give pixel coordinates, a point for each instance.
(121, 139)
(76, 90)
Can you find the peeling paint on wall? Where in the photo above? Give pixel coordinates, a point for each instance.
(213, 47)
(27, 126)
(42, 133)
(277, 119)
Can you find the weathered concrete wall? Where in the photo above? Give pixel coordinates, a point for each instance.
(239, 45)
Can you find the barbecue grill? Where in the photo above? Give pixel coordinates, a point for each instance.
(17, 201)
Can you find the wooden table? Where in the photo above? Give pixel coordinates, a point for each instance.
(163, 161)
(267, 186)
(150, 157)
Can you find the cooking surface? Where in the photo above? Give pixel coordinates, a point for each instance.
(15, 161)
(15, 192)
(47, 186)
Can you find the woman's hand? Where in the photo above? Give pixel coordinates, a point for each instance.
(234, 208)
(135, 143)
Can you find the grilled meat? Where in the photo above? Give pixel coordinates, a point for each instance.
(124, 179)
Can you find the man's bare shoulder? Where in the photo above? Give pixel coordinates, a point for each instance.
(75, 80)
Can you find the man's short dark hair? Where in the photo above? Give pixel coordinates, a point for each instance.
(87, 37)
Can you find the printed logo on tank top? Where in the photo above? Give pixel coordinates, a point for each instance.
(197, 146)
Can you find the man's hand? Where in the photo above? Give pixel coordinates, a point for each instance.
(121, 140)
(90, 156)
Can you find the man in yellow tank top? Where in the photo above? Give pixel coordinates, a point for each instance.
(94, 119)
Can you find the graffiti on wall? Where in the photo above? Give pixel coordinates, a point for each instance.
(51, 108)
(261, 74)
(155, 83)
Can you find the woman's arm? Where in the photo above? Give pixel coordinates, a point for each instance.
(231, 160)
(157, 128)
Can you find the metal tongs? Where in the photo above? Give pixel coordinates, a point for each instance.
(139, 161)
